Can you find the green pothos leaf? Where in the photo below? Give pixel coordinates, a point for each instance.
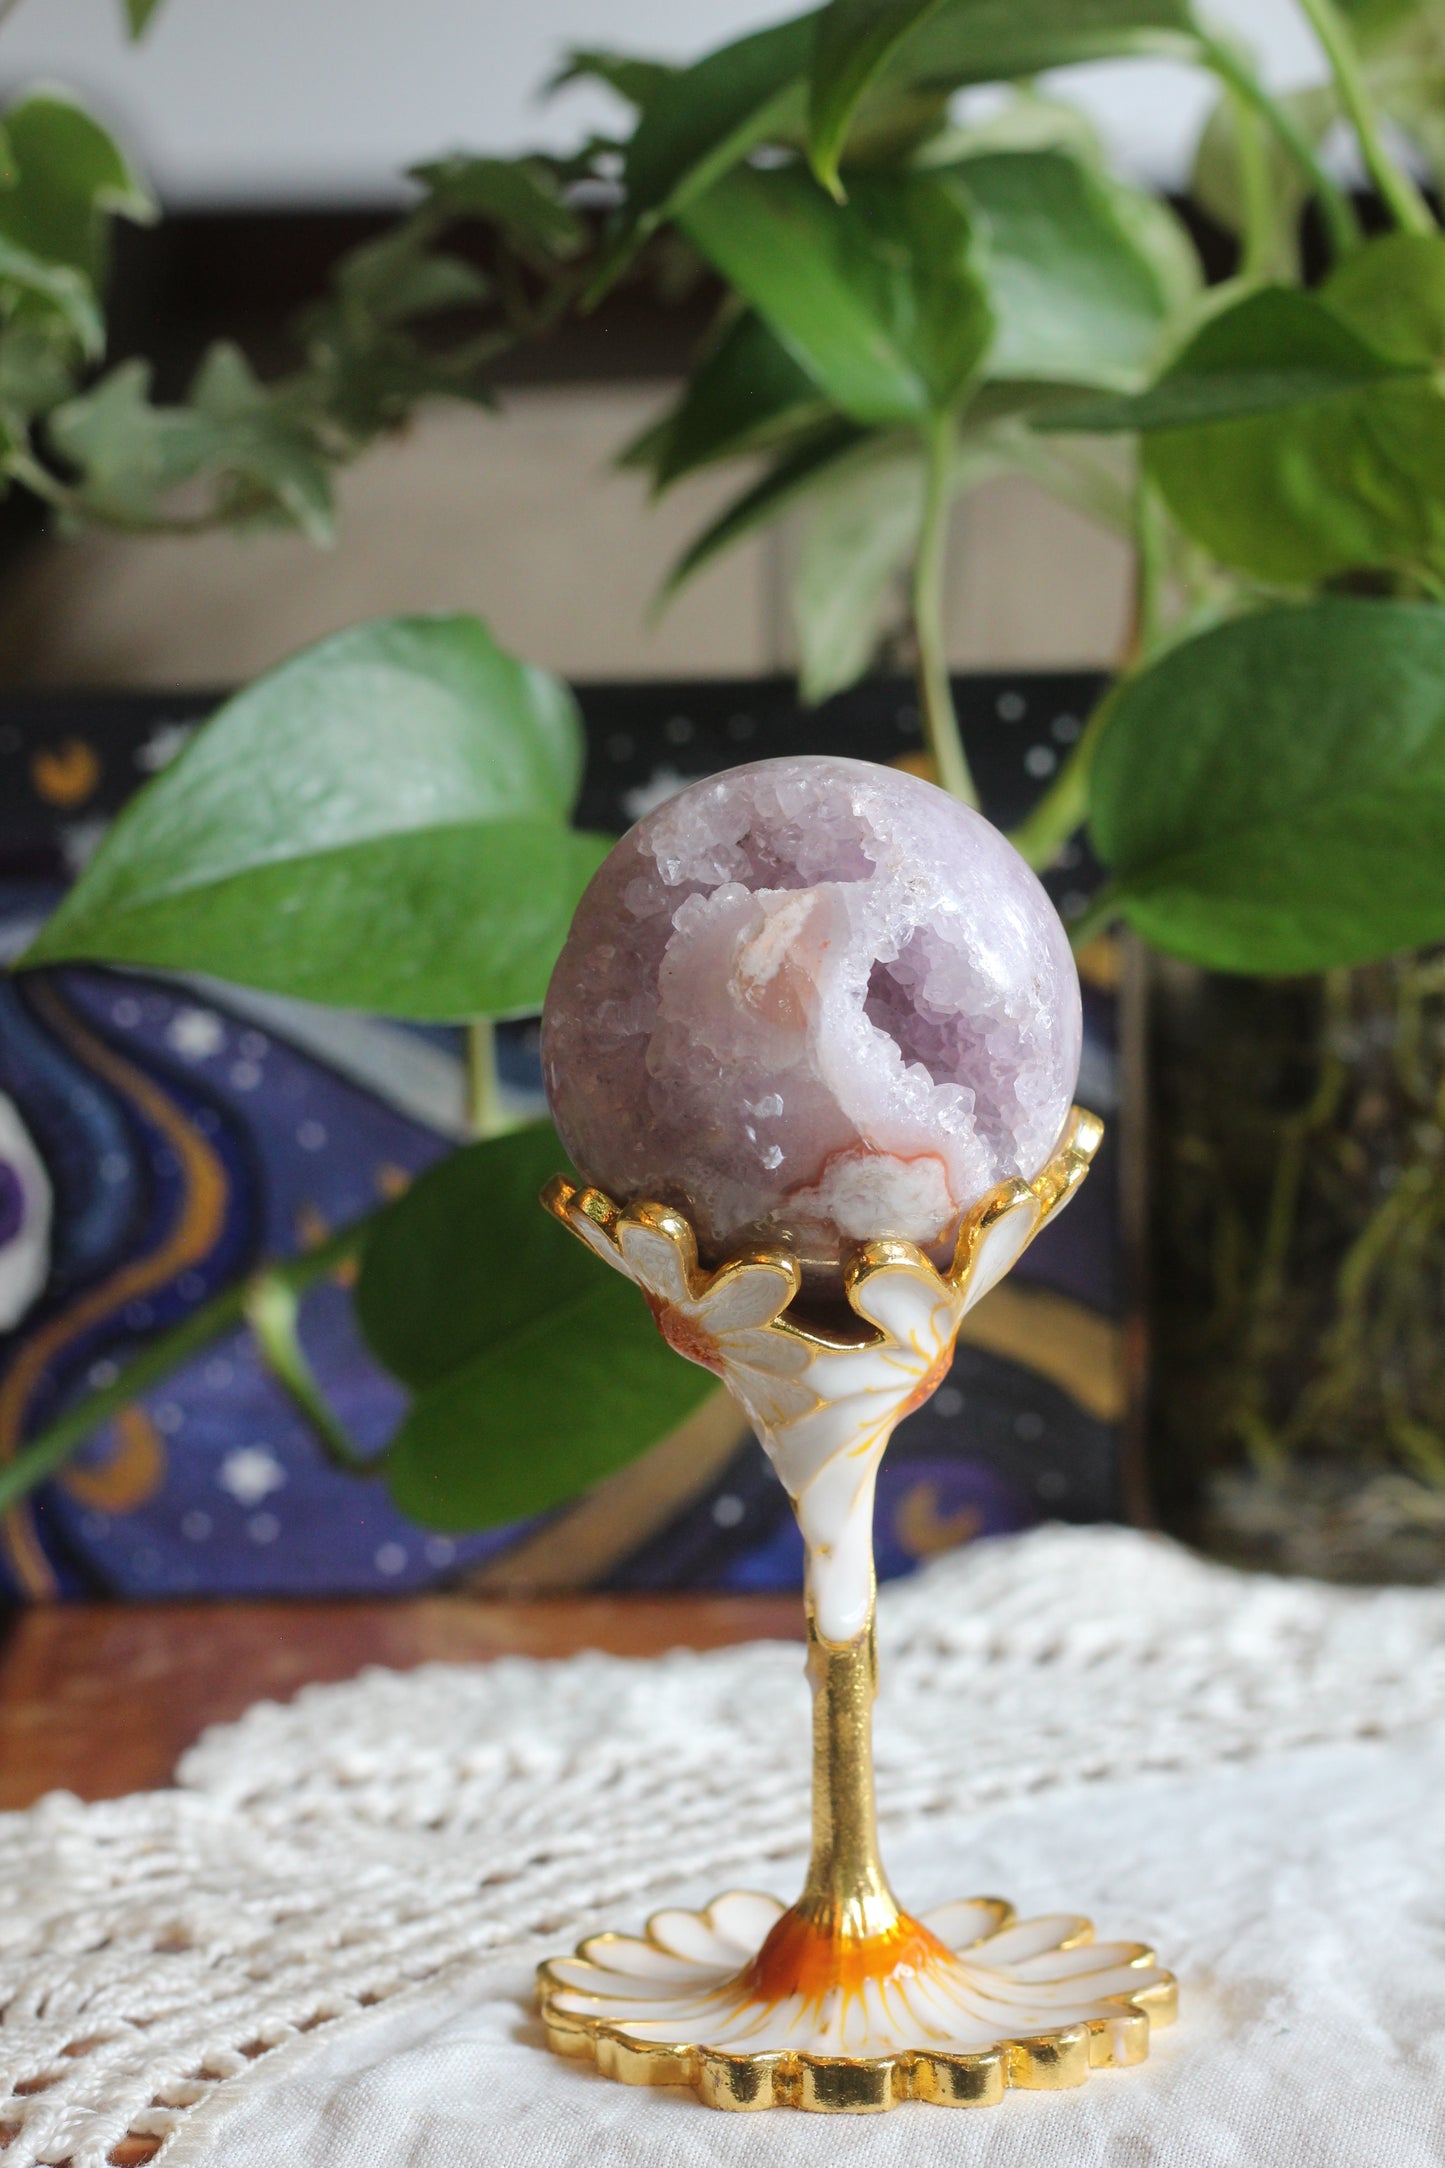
(530, 1383)
(1270, 797)
(747, 395)
(378, 823)
(70, 177)
(879, 300)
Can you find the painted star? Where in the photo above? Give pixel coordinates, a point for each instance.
(196, 1033)
(250, 1473)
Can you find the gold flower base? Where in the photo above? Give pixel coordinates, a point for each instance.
(973, 2002)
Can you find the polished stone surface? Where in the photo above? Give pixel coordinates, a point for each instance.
(812, 1001)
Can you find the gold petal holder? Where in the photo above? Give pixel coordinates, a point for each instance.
(842, 2002)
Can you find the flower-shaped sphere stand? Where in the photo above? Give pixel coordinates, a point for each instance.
(842, 2001)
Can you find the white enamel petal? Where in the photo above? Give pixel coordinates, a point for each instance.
(770, 1362)
(654, 1262)
(643, 1971)
(841, 1375)
(745, 1918)
(747, 1296)
(772, 1405)
(691, 1935)
(910, 1308)
(1089, 1993)
(1030, 1938)
(965, 1921)
(596, 1240)
(1076, 1964)
(798, 1450)
(640, 1956)
(999, 1248)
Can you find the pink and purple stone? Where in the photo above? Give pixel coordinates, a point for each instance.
(811, 1002)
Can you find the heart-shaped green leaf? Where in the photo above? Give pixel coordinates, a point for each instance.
(708, 117)
(70, 175)
(997, 41)
(536, 1370)
(130, 455)
(444, 923)
(1083, 274)
(1276, 349)
(430, 1295)
(968, 41)
(853, 42)
(43, 298)
(879, 300)
(747, 395)
(1216, 182)
(1393, 294)
(1270, 797)
(379, 822)
(517, 194)
(861, 531)
(1298, 436)
(794, 475)
(640, 82)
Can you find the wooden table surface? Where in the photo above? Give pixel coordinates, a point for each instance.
(100, 1699)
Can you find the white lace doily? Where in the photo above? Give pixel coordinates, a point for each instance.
(324, 1855)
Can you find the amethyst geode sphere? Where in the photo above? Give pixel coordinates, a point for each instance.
(810, 1002)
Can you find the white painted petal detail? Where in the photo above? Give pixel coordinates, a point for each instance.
(903, 1304)
(967, 1920)
(745, 1917)
(635, 1957)
(747, 1296)
(654, 1262)
(598, 1241)
(798, 1450)
(691, 1935)
(999, 1249)
(1027, 1938)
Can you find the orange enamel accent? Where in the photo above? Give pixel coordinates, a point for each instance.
(928, 1386)
(802, 1957)
(687, 1336)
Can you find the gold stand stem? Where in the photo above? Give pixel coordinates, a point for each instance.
(846, 1896)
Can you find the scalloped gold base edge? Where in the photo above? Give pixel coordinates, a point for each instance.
(869, 2084)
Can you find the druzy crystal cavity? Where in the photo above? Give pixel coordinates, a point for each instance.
(811, 1002)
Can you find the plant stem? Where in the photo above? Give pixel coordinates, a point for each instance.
(1255, 194)
(1402, 198)
(1337, 209)
(60, 1439)
(1151, 543)
(1042, 833)
(1063, 807)
(485, 1111)
(273, 1314)
(940, 723)
(1096, 918)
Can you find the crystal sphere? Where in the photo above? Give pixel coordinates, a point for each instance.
(810, 1002)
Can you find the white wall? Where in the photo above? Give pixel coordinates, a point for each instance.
(326, 101)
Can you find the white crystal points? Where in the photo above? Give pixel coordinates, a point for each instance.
(811, 1002)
